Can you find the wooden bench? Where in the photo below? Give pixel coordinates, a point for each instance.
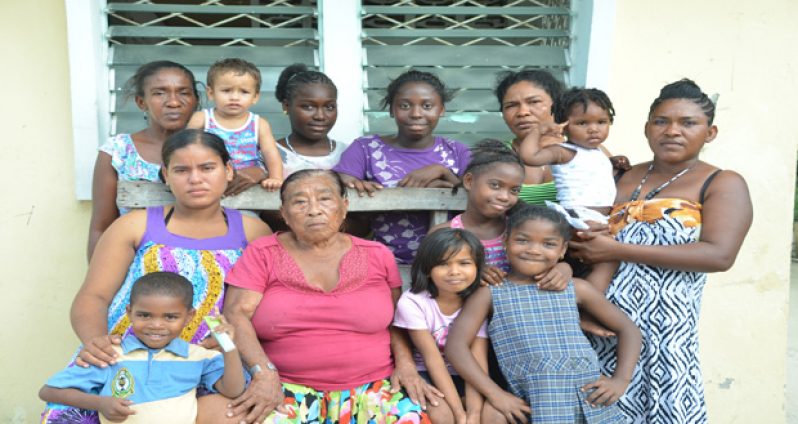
(439, 202)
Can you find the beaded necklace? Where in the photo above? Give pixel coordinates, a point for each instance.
(652, 193)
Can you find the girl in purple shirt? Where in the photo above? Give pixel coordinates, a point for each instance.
(413, 157)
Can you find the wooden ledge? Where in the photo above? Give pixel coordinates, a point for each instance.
(140, 194)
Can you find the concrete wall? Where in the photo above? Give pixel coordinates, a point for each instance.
(42, 227)
(745, 51)
(742, 50)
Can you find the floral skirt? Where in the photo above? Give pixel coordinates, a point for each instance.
(371, 403)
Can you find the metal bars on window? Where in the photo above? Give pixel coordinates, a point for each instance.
(269, 33)
(466, 43)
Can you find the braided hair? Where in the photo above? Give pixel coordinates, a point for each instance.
(296, 76)
(414, 75)
(689, 90)
(581, 96)
(489, 152)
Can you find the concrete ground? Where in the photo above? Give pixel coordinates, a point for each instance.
(792, 348)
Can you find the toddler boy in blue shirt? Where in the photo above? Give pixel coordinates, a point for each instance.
(156, 375)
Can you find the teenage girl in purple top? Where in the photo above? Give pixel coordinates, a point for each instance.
(413, 157)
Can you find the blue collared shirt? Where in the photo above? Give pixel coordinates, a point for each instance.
(144, 375)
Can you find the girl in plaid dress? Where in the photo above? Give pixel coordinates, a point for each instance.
(551, 369)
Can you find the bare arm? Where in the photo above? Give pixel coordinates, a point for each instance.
(551, 155)
(534, 152)
(197, 120)
(107, 270)
(264, 393)
(726, 217)
(114, 409)
(629, 342)
(232, 383)
(426, 345)
(103, 206)
(405, 374)
(271, 156)
(254, 228)
(473, 399)
(475, 311)
(601, 275)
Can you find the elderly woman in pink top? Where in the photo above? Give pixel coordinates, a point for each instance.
(319, 343)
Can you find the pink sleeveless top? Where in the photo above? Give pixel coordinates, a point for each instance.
(495, 255)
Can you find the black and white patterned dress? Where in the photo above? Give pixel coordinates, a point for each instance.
(667, 387)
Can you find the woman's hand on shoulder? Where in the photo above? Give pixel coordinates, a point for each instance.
(263, 396)
(492, 276)
(555, 279)
(99, 351)
(362, 187)
(418, 390)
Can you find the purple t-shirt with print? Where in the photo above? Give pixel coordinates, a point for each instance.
(370, 158)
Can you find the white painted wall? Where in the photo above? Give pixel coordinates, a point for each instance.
(42, 227)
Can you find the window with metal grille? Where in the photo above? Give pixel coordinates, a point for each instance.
(270, 34)
(465, 43)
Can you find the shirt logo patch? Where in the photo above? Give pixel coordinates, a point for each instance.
(122, 384)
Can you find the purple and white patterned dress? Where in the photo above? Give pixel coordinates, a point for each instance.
(127, 162)
(370, 158)
(241, 143)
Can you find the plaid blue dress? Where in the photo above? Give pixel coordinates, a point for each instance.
(544, 355)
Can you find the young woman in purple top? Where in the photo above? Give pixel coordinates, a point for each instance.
(413, 157)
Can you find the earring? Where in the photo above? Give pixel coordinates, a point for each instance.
(285, 112)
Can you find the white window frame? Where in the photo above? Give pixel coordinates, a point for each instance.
(88, 78)
(590, 55)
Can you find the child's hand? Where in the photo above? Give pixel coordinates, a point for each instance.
(98, 351)
(271, 184)
(244, 179)
(551, 133)
(362, 187)
(422, 177)
(606, 391)
(514, 409)
(225, 327)
(115, 409)
(552, 280)
(492, 276)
